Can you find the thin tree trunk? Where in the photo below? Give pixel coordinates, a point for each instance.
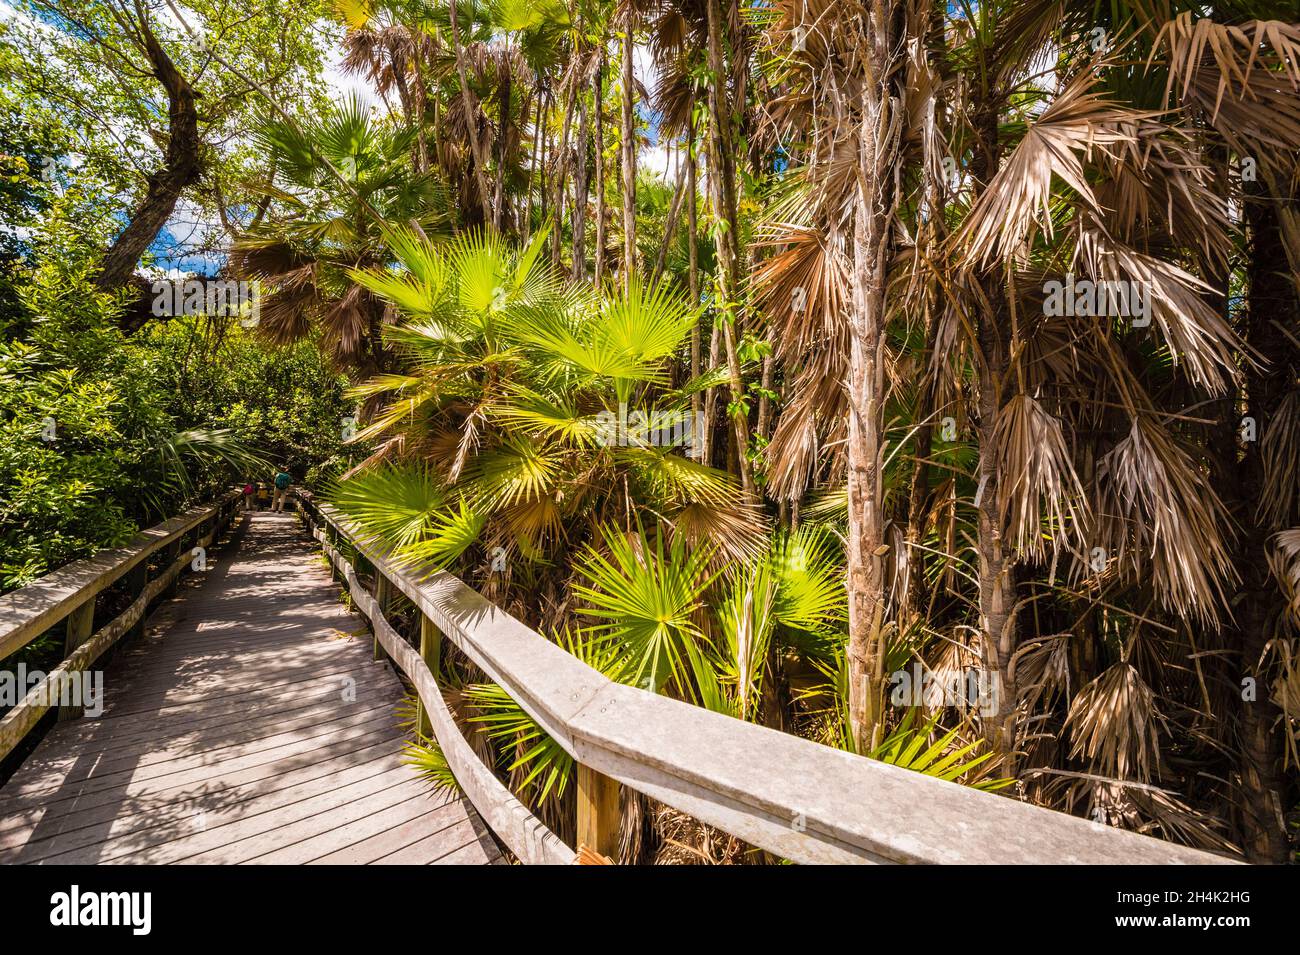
(420, 98)
(579, 222)
(710, 396)
(998, 628)
(628, 131)
(599, 104)
(764, 402)
(471, 118)
(670, 226)
(499, 190)
(879, 152)
(527, 229)
(722, 180)
(693, 280)
(561, 175)
(1272, 306)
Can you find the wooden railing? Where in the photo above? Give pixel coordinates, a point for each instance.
(800, 800)
(70, 594)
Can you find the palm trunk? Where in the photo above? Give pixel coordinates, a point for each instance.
(599, 105)
(998, 628)
(527, 226)
(919, 497)
(499, 190)
(628, 132)
(560, 176)
(879, 152)
(469, 104)
(693, 280)
(722, 180)
(579, 222)
(670, 226)
(1272, 306)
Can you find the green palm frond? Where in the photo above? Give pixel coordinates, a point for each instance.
(648, 597)
(548, 770)
(908, 746)
(394, 505)
(553, 416)
(811, 593)
(646, 324)
(547, 766)
(451, 531)
(426, 757)
(712, 378)
(518, 470)
(673, 478)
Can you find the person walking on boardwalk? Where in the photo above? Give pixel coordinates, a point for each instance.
(283, 480)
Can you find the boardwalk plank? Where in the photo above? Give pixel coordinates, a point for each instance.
(226, 736)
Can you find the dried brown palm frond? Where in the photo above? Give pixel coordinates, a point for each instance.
(1015, 207)
(285, 314)
(531, 524)
(1285, 692)
(1137, 807)
(1040, 498)
(1284, 561)
(386, 54)
(1244, 81)
(292, 295)
(1157, 515)
(737, 532)
(347, 321)
(1226, 56)
(389, 450)
(678, 41)
(802, 288)
(1195, 333)
(1279, 450)
(1158, 194)
(467, 442)
(269, 258)
(1114, 725)
(810, 430)
(951, 663)
(684, 840)
(1042, 670)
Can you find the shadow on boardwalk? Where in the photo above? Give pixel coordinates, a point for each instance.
(250, 724)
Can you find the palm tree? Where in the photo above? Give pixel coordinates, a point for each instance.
(531, 413)
(304, 253)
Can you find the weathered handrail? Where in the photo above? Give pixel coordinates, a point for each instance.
(70, 592)
(796, 798)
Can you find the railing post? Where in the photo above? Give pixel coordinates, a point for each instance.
(431, 653)
(170, 553)
(79, 625)
(599, 813)
(137, 578)
(384, 598)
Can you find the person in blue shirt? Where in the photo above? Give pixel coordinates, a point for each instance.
(283, 481)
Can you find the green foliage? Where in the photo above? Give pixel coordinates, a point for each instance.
(914, 747)
(102, 433)
(426, 757)
(647, 596)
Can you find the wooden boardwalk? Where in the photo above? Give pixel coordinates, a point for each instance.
(249, 725)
